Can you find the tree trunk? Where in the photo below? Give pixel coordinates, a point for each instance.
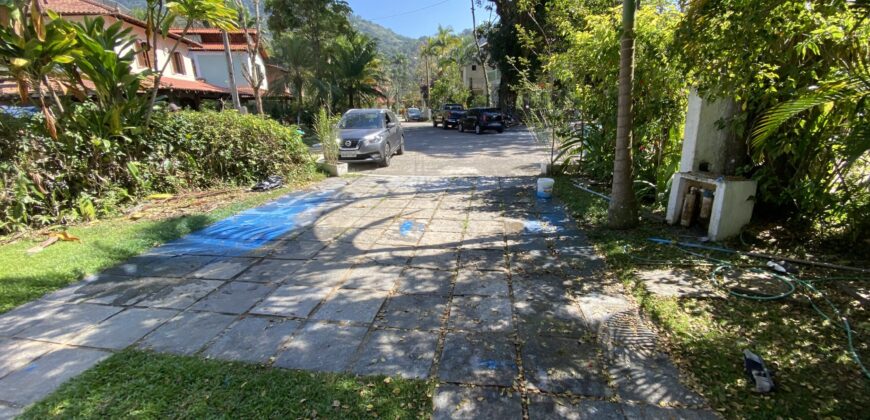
(234, 90)
(480, 56)
(623, 205)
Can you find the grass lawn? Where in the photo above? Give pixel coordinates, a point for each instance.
(147, 385)
(815, 374)
(104, 243)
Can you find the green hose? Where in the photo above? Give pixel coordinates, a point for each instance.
(788, 280)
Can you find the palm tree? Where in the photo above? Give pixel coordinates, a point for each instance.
(622, 212)
(357, 67)
(295, 53)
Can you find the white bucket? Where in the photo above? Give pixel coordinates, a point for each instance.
(545, 187)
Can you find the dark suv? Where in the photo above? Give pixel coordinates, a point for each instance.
(482, 119)
(448, 115)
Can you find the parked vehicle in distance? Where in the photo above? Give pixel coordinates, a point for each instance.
(370, 135)
(482, 119)
(452, 118)
(414, 114)
(443, 115)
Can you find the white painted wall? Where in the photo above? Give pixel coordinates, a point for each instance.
(703, 141)
(164, 45)
(212, 67)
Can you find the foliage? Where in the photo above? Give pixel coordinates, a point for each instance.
(814, 373)
(47, 181)
(357, 68)
(147, 385)
(793, 57)
(326, 130)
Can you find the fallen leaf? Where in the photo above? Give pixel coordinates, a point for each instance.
(45, 244)
(65, 236)
(162, 196)
(388, 380)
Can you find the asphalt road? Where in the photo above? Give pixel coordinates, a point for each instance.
(433, 151)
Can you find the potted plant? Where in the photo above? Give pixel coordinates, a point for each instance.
(326, 129)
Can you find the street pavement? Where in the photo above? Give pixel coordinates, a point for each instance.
(469, 280)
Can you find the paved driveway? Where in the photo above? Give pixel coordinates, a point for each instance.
(438, 152)
(468, 280)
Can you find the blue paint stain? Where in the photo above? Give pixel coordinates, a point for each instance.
(253, 228)
(406, 227)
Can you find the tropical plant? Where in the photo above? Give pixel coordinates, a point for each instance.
(294, 52)
(357, 68)
(326, 130)
(33, 46)
(160, 18)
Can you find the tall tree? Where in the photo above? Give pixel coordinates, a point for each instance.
(161, 16)
(357, 68)
(316, 21)
(480, 56)
(294, 52)
(622, 212)
(253, 73)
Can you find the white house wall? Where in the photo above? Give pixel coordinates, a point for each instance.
(212, 67)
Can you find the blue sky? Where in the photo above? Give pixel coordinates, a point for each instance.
(416, 18)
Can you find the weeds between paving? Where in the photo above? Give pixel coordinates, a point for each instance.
(147, 385)
(815, 374)
(25, 277)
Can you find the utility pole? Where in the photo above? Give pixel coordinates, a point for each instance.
(480, 54)
(234, 91)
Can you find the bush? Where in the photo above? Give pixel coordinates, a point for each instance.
(82, 175)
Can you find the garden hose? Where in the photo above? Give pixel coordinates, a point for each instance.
(791, 282)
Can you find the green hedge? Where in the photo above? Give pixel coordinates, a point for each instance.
(84, 176)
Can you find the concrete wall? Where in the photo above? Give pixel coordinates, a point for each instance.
(704, 141)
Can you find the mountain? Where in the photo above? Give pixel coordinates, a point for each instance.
(389, 42)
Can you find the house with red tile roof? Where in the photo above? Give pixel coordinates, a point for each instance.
(197, 68)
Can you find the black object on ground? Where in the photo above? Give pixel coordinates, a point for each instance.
(757, 372)
(270, 183)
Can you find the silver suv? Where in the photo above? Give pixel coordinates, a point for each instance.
(370, 135)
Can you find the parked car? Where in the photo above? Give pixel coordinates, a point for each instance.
(370, 135)
(414, 114)
(482, 119)
(443, 116)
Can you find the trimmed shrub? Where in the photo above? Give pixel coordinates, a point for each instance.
(82, 175)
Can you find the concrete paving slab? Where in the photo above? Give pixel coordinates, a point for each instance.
(432, 239)
(186, 333)
(124, 291)
(178, 266)
(424, 312)
(481, 283)
(362, 236)
(296, 249)
(18, 353)
(480, 314)
(471, 403)
(9, 412)
(598, 308)
(123, 329)
(421, 280)
(223, 268)
(342, 251)
(561, 365)
(478, 358)
(180, 295)
(234, 297)
(408, 354)
(253, 339)
(483, 259)
(351, 305)
(271, 271)
(322, 346)
(650, 379)
(546, 407)
(373, 276)
(321, 273)
(447, 225)
(26, 316)
(291, 301)
(321, 233)
(42, 376)
(650, 412)
(67, 322)
(388, 255)
(541, 287)
(550, 318)
(435, 258)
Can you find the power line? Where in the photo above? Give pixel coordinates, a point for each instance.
(411, 11)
